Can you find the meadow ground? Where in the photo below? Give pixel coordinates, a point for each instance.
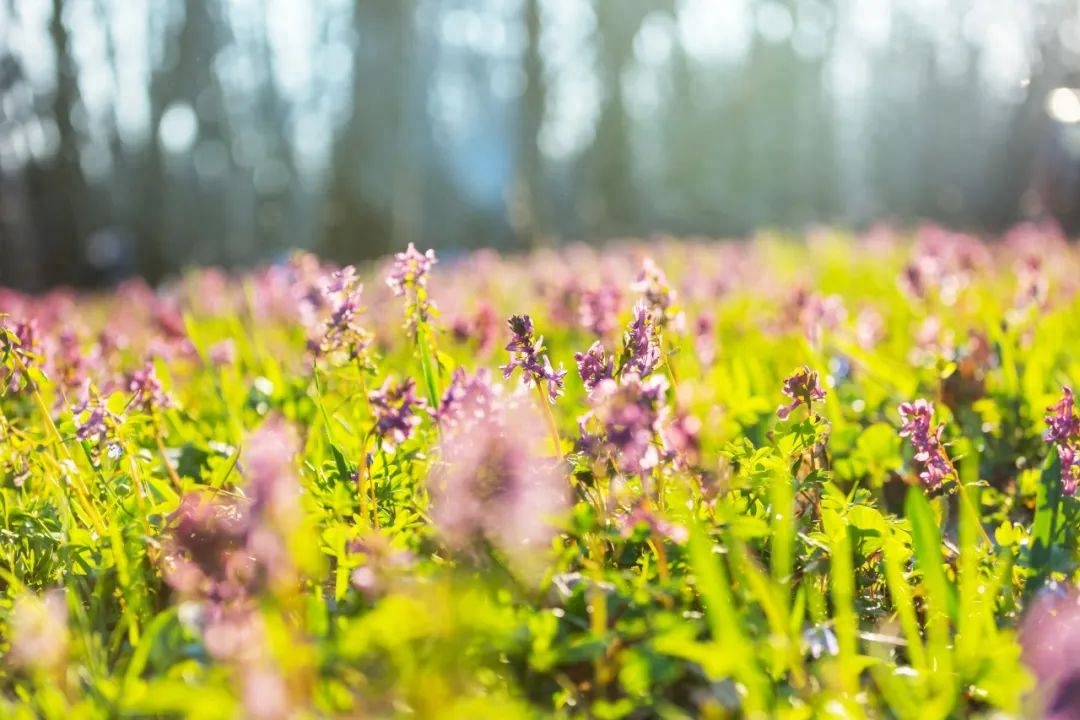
(825, 477)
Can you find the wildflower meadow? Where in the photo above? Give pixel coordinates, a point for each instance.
(826, 476)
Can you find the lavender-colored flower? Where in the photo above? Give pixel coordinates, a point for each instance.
(39, 633)
(466, 400)
(803, 388)
(629, 414)
(652, 283)
(490, 485)
(527, 353)
(1063, 431)
(1062, 423)
(599, 309)
(147, 389)
(395, 408)
(222, 353)
(410, 270)
(342, 332)
(641, 346)
(1050, 641)
(642, 514)
(594, 365)
(916, 418)
(93, 419)
(268, 464)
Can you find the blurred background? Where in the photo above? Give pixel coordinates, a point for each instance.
(144, 136)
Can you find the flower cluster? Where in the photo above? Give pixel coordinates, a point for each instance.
(594, 365)
(94, 420)
(395, 408)
(641, 344)
(147, 389)
(489, 484)
(629, 414)
(916, 417)
(341, 332)
(657, 294)
(1063, 431)
(527, 353)
(599, 309)
(803, 388)
(410, 272)
(466, 400)
(19, 350)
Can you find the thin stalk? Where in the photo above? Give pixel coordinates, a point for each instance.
(552, 427)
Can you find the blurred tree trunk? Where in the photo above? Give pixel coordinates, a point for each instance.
(359, 215)
(57, 185)
(527, 211)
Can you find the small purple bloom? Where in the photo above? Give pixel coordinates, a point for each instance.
(467, 400)
(411, 270)
(527, 353)
(916, 417)
(599, 309)
(629, 414)
(594, 365)
(341, 332)
(94, 420)
(146, 386)
(1062, 423)
(652, 283)
(803, 388)
(1063, 431)
(395, 408)
(641, 353)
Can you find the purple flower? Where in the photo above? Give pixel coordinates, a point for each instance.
(1050, 640)
(599, 309)
(93, 419)
(642, 514)
(146, 386)
(803, 388)
(916, 417)
(527, 353)
(1063, 431)
(594, 365)
(629, 415)
(467, 400)
(341, 332)
(641, 346)
(410, 270)
(395, 408)
(1062, 423)
(267, 464)
(652, 283)
(489, 484)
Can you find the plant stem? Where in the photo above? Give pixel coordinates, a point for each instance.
(552, 427)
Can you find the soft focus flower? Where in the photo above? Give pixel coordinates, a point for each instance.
(410, 270)
(629, 415)
(39, 633)
(489, 484)
(657, 293)
(146, 386)
(93, 419)
(803, 388)
(641, 346)
(527, 353)
(395, 407)
(222, 353)
(642, 514)
(1050, 642)
(1063, 431)
(599, 309)
(916, 417)
(341, 332)
(594, 365)
(466, 400)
